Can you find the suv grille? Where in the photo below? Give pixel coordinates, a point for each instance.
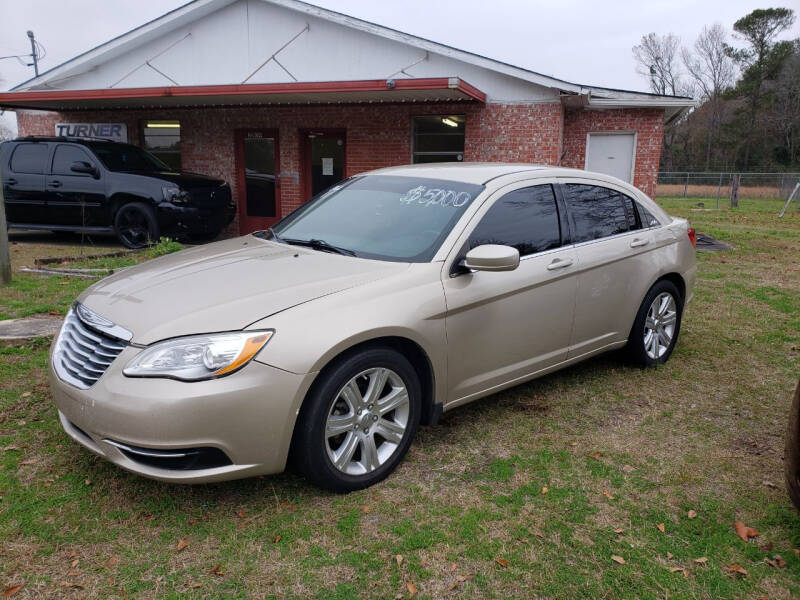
(83, 353)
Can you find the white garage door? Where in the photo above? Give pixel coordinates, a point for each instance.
(612, 154)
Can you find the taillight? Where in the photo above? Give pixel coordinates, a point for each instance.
(692, 236)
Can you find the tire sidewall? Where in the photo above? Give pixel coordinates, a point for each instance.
(149, 216)
(636, 349)
(313, 458)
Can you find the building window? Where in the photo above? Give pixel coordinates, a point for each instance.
(163, 139)
(439, 138)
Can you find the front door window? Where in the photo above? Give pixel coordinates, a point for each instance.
(259, 200)
(324, 161)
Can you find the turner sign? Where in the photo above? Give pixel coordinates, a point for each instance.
(110, 131)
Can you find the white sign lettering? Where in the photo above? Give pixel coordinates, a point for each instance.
(436, 197)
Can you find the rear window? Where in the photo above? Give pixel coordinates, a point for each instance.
(29, 158)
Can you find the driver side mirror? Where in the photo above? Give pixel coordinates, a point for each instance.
(81, 166)
(492, 257)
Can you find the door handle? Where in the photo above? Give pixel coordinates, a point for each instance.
(54, 183)
(11, 181)
(559, 264)
(638, 242)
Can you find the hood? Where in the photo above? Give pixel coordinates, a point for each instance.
(224, 286)
(189, 180)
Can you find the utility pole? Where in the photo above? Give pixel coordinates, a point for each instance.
(34, 53)
(5, 259)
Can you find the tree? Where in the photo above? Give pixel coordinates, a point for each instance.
(713, 70)
(760, 60)
(657, 58)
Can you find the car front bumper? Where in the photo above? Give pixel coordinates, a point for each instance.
(176, 219)
(247, 417)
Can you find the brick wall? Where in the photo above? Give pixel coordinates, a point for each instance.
(379, 135)
(648, 124)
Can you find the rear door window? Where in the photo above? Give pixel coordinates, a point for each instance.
(29, 158)
(526, 219)
(65, 155)
(597, 212)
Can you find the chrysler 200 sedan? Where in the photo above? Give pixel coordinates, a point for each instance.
(390, 298)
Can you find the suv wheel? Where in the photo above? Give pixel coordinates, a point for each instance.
(359, 421)
(657, 325)
(136, 225)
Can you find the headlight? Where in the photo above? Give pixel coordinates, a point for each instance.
(199, 356)
(175, 194)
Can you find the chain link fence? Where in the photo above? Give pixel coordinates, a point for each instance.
(717, 186)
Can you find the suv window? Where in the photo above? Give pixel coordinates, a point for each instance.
(526, 219)
(29, 158)
(64, 156)
(597, 212)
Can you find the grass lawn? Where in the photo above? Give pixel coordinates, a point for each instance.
(532, 492)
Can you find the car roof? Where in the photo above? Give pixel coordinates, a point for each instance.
(483, 172)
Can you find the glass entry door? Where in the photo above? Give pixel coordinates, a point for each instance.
(257, 170)
(324, 161)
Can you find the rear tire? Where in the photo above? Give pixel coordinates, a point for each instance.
(135, 225)
(658, 323)
(358, 421)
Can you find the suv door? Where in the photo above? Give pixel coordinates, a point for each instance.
(615, 269)
(505, 326)
(23, 183)
(74, 199)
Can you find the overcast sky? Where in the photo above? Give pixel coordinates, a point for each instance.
(583, 41)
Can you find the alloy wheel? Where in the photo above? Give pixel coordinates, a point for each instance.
(367, 421)
(659, 326)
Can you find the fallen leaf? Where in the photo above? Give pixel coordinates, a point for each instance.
(661, 527)
(745, 532)
(734, 568)
(545, 490)
(538, 534)
(242, 514)
(501, 561)
(112, 561)
(669, 555)
(452, 567)
(195, 585)
(365, 509)
(11, 590)
(680, 570)
(701, 561)
(619, 530)
(769, 484)
(87, 481)
(74, 564)
(182, 544)
(627, 468)
(777, 561)
(30, 461)
(573, 444)
(276, 539)
(796, 551)
(72, 584)
(412, 589)
(595, 455)
(9, 448)
(27, 394)
(217, 570)
(608, 495)
(766, 547)
(618, 559)
(398, 558)
(691, 514)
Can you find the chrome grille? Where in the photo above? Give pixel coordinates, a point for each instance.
(83, 353)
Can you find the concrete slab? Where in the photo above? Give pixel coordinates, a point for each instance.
(32, 327)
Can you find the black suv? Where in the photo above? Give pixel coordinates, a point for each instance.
(98, 186)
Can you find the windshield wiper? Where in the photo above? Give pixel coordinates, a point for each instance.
(316, 244)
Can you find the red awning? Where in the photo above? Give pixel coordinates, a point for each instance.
(439, 89)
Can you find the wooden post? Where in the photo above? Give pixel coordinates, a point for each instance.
(686, 186)
(735, 190)
(5, 258)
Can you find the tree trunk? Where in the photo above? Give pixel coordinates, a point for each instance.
(735, 190)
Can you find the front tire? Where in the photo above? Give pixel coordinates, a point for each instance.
(358, 421)
(136, 226)
(658, 323)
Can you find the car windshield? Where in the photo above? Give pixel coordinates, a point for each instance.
(385, 217)
(124, 157)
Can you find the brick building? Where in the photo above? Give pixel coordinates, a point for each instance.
(282, 99)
